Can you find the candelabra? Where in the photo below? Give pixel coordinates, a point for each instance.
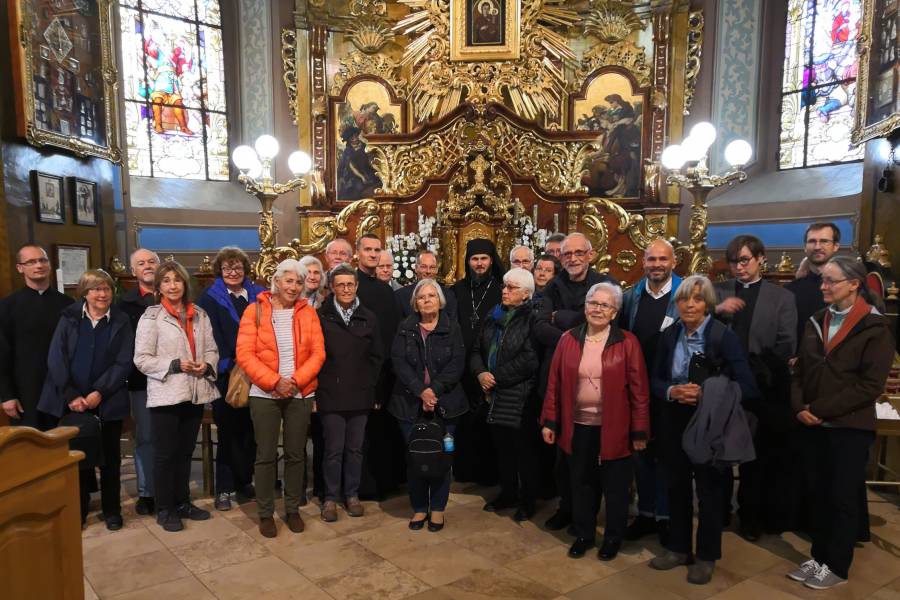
(686, 164)
(255, 168)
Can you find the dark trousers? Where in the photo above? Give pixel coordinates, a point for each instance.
(175, 431)
(318, 454)
(592, 480)
(563, 482)
(765, 492)
(110, 473)
(711, 484)
(840, 471)
(236, 447)
(344, 435)
(475, 458)
(650, 478)
(426, 495)
(517, 461)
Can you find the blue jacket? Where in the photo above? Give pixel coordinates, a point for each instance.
(59, 389)
(225, 321)
(631, 298)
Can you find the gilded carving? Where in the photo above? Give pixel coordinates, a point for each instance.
(479, 178)
(640, 231)
(289, 64)
(612, 21)
(369, 31)
(694, 49)
(626, 259)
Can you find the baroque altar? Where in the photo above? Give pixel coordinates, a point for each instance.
(490, 118)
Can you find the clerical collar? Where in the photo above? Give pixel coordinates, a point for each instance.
(241, 294)
(748, 285)
(37, 291)
(87, 315)
(665, 289)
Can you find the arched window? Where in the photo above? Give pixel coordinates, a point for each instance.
(818, 92)
(174, 88)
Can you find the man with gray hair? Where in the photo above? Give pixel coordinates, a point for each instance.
(553, 246)
(426, 268)
(521, 257)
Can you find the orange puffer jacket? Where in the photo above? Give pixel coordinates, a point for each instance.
(257, 350)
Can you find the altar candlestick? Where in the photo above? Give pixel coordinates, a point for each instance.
(556, 223)
(402, 224)
(535, 217)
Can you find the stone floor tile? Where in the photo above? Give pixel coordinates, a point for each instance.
(188, 588)
(776, 577)
(619, 586)
(215, 528)
(212, 554)
(442, 563)
(325, 559)
(256, 578)
(556, 570)
(381, 580)
(753, 590)
(507, 545)
(89, 593)
(497, 584)
(134, 573)
(126, 542)
(675, 581)
(395, 539)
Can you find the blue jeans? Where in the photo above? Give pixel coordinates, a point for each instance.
(143, 443)
(425, 495)
(650, 476)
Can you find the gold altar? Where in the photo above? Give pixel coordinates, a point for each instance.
(429, 109)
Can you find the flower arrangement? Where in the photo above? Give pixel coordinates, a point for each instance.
(529, 235)
(405, 246)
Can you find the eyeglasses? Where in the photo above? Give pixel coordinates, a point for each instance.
(521, 261)
(235, 269)
(511, 288)
(35, 261)
(103, 289)
(344, 286)
(575, 254)
(828, 282)
(819, 242)
(742, 260)
(593, 305)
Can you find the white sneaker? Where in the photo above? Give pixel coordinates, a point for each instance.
(823, 579)
(805, 571)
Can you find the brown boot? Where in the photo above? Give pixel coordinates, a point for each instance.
(354, 507)
(295, 522)
(329, 511)
(267, 527)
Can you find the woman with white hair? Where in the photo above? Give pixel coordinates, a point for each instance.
(314, 288)
(428, 356)
(597, 410)
(280, 347)
(505, 360)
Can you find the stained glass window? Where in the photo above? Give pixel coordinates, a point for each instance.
(819, 88)
(174, 86)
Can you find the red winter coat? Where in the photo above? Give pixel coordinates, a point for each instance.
(626, 396)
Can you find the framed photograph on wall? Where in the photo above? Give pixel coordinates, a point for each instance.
(72, 260)
(84, 201)
(47, 192)
(878, 88)
(484, 29)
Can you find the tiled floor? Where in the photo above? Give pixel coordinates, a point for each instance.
(477, 556)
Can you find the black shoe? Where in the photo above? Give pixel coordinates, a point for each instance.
(499, 503)
(113, 522)
(189, 511)
(169, 520)
(559, 520)
(432, 526)
(524, 513)
(750, 531)
(609, 549)
(417, 525)
(145, 506)
(640, 527)
(579, 547)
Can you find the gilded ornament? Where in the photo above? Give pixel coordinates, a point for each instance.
(116, 268)
(612, 21)
(694, 50)
(627, 55)
(369, 31)
(289, 64)
(878, 253)
(626, 259)
(205, 267)
(863, 129)
(785, 264)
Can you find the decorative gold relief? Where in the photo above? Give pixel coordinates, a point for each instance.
(626, 55)
(369, 31)
(479, 178)
(639, 230)
(612, 21)
(785, 265)
(877, 111)
(694, 50)
(289, 64)
(626, 259)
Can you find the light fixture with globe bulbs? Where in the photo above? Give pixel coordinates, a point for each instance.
(686, 166)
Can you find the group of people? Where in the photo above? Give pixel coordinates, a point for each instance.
(548, 378)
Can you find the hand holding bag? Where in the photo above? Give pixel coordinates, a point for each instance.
(238, 394)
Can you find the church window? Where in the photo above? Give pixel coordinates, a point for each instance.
(174, 86)
(818, 92)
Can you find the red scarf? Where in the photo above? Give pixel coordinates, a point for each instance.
(859, 311)
(186, 323)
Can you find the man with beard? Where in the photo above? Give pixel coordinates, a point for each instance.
(563, 309)
(821, 242)
(647, 309)
(426, 268)
(383, 449)
(476, 294)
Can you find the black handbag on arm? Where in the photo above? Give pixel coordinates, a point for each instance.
(425, 455)
(88, 438)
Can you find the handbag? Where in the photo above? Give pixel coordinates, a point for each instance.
(238, 393)
(87, 440)
(425, 454)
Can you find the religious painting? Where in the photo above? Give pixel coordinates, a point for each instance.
(173, 79)
(71, 262)
(484, 29)
(65, 75)
(47, 192)
(366, 109)
(84, 200)
(612, 111)
(878, 112)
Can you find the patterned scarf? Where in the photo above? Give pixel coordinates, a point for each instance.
(502, 316)
(185, 318)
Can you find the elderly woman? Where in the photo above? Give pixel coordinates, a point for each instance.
(224, 303)
(384, 270)
(175, 348)
(346, 394)
(314, 289)
(505, 360)
(844, 358)
(707, 343)
(280, 347)
(428, 356)
(87, 367)
(597, 410)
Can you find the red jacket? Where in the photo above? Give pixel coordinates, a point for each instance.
(626, 396)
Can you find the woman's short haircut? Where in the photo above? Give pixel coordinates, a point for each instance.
(231, 254)
(686, 290)
(855, 270)
(285, 266)
(94, 278)
(753, 244)
(342, 269)
(522, 278)
(437, 289)
(312, 260)
(610, 288)
(170, 266)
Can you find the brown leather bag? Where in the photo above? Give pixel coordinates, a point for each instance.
(238, 394)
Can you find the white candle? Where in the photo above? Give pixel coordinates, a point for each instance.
(535, 217)
(556, 223)
(59, 281)
(402, 224)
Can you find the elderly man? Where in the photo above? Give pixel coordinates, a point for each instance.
(28, 319)
(563, 309)
(133, 303)
(553, 246)
(521, 257)
(647, 309)
(426, 268)
(338, 251)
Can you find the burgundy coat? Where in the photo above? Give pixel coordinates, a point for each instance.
(625, 392)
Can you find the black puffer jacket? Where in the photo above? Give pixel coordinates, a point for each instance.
(516, 370)
(445, 355)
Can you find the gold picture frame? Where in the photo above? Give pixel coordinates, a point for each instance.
(65, 74)
(878, 81)
(483, 30)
